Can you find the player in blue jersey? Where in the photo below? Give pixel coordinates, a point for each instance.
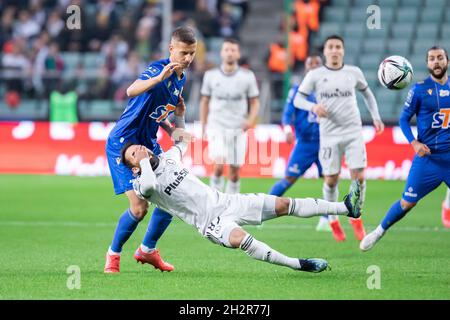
(429, 100)
(155, 96)
(306, 148)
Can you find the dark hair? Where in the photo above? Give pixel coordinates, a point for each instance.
(231, 40)
(124, 149)
(184, 34)
(437, 48)
(334, 37)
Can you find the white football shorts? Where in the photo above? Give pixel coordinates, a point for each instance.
(227, 146)
(333, 148)
(245, 209)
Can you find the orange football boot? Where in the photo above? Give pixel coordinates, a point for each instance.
(445, 215)
(112, 264)
(358, 228)
(338, 232)
(153, 258)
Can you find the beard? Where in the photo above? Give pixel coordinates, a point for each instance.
(438, 76)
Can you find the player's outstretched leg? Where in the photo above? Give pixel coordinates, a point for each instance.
(147, 252)
(396, 212)
(261, 251)
(446, 210)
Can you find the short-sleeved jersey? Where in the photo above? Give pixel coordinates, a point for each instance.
(229, 94)
(430, 102)
(140, 121)
(336, 89)
(305, 122)
(182, 194)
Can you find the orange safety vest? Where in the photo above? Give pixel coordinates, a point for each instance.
(298, 44)
(278, 58)
(307, 14)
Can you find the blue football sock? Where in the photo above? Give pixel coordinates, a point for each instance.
(394, 214)
(126, 226)
(159, 222)
(280, 187)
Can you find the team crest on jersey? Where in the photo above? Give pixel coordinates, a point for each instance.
(430, 91)
(162, 112)
(441, 119)
(444, 93)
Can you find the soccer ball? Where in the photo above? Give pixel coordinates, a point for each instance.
(395, 72)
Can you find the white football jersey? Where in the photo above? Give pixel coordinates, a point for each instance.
(229, 94)
(182, 194)
(336, 89)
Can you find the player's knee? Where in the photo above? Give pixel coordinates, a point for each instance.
(140, 210)
(406, 205)
(331, 181)
(282, 206)
(237, 235)
(291, 180)
(218, 169)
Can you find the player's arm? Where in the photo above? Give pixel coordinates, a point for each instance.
(149, 80)
(369, 100)
(177, 151)
(205, 92)
(253, 99)
(301, 98)
(253, 113)
(288, 112)
(409, 109)
(204, 110)
(146, 182)
(177, 118)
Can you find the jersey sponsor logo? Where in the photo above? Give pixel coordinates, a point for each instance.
(441, 119)
(162, 112)
(410, 193)
(444, 93)
(336, 94)
(179, 178)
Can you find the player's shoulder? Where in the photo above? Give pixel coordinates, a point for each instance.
(155, 67)
(213, 72)
(315, 72)
(422, 85)
(352, 68)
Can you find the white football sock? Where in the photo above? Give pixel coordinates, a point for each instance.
(447, 199)
(217, 182)
(110, 252)
(261, 251)
(146, 249)
(310, 207)
(233, 187)
(330, 194)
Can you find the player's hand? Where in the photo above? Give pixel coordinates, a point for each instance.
(182, 135)
(181, 107)
(379, 126)
(289, 137)
(168, 70)
(420, 148)
(141, 153)
(320, 109)
(247, 124)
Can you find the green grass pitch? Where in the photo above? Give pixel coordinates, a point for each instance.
(48, 223)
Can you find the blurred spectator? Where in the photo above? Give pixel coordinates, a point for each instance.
(6, 24)
(126, 72)
(54, 65)
(228, 24)
(25, 26)
(277, 64)
(205, 19)
(307, 15)
(15, 65)
(54, 24)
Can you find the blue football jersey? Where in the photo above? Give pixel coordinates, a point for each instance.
(305, 122)
(430, 102)
(140, 121)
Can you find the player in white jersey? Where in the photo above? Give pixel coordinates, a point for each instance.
(165, 182)
(228, 108)
(334, 85)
